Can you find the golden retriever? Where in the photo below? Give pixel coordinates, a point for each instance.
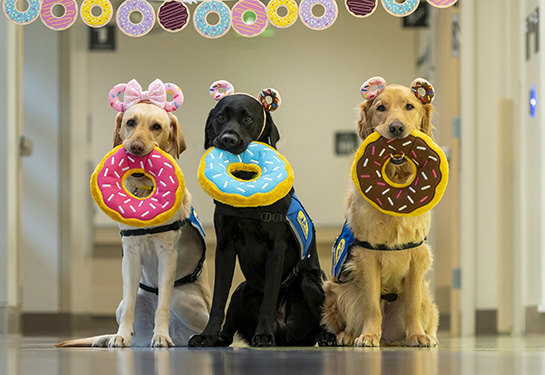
(160, 315)
(355, 309)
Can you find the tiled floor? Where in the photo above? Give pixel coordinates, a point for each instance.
(467, 356)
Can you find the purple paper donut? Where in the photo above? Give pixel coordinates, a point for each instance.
(59, 23)
(135, 29)
(318, 23)
(173, 15)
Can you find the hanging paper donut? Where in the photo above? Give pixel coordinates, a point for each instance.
(106, 12)
(442, 3)
(245, 28)
(206, 29)
(135, 29)
(361, 8)
(22, 18)
(400, 9)
(318, 23)
(63, 22)
(173, 15)
(282, 21)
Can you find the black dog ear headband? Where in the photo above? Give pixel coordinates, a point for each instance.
(421, 88)
(269, 97)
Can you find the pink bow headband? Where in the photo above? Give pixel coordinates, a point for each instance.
(156, 94)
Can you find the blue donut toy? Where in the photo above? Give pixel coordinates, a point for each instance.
(272, 180)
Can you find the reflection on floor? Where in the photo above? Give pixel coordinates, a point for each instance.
(466, 356)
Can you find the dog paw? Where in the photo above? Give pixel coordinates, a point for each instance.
(202, 341)
(424, 341)
(223, 340)
(327, 339)
(161, 341)
(119, 341)
(368, 341)
(345, 339)
(263, 340)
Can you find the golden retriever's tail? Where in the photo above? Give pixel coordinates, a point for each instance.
(95, 341)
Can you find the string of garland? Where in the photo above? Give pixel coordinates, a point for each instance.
(248, 18)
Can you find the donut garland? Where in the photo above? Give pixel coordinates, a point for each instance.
(110, 194)
(273, 178)
(421, 193)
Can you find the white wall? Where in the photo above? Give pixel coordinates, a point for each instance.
(318, 74)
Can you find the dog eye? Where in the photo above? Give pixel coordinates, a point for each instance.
(409, 106)
(221, 117)
(131, 123)
(381, 108)
(248, 119)
(156, 127)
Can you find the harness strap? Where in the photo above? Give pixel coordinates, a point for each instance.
(184, 280)
(160, 229)
(381, 247)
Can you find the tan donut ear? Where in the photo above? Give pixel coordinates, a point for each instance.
(423, 90)
(365, 89)
(270, 99)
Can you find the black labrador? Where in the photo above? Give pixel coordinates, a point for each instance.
(280, 303)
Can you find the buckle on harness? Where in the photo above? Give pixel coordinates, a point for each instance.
(268, 217)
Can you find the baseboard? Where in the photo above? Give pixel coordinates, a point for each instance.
(64, 324)
(534, 320)
(10, 322)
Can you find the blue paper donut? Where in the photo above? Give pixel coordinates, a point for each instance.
(272, 181)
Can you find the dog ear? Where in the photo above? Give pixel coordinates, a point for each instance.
(270, 134)
(117, 138)
(209, 133)
(363, 125)
(426, 126)
(176, 142)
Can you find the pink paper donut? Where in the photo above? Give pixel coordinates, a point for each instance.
(127, 26)
(249, 29)
(59, 23)
(173, 15)
(109, 192)
(318, 23)
(361, 8)
(442, 3)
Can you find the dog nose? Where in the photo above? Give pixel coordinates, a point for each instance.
(396, 128)
(137, 147)
(229, 140)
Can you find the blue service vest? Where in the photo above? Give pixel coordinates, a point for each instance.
(341, 249)
(301, 225)
(196, 223)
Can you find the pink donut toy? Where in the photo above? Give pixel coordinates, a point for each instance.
(215, 88)
(173, 15)
(22, 18)
(442, 3)
(318, 23)
(111, 195)
(377, 82)
(63, 22)
(249, 29)
(156, 94)
(106, 12)
(135, 29)
(361, 8)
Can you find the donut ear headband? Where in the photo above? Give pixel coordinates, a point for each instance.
(421, 88)
(156, 94)
(269, 97)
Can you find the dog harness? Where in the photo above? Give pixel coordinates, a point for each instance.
(344, 244)
(194, 221)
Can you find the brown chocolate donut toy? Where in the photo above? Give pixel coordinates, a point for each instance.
(420, 193)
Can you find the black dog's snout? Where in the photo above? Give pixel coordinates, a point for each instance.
(396, 128)
(229, 140)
